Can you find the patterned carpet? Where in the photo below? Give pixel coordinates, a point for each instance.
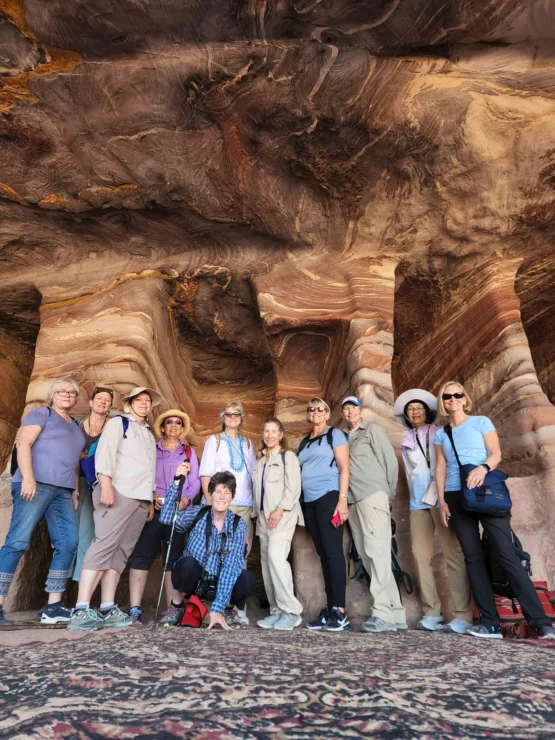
(254, 684)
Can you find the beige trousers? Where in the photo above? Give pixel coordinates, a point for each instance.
(370, 522)
(275, 545)
(423, 524)
(116, 531)
(245, 512)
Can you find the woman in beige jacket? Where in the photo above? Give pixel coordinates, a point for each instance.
(276, 494)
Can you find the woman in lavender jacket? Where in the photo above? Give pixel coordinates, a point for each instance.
(172, 427)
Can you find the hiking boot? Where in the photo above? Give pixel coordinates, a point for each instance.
(3, 620)
(457, 625)
(136, 615)
(430, 624)
(84, 620)
(114, 618)
(545, 632)
(337, 621)
(320, 620)
(288, 622)
(269, 622)
(377, 624)
(485, 630)
(172, 616)
(54, 614)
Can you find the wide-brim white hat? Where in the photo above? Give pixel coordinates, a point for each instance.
(414, 394)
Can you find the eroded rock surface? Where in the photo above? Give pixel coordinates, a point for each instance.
(269, 200)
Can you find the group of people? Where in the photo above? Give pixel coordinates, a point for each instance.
(140, 497)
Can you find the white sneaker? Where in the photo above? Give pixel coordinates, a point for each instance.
(241, 617)
(269, 622)
(457, 625)
(288, 622)
(430, 624)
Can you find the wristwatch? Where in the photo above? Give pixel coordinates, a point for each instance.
(487, 467)
(344, 495)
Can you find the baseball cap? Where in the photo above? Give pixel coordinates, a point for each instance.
(351, 399)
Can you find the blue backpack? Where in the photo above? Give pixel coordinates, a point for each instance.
(87, 464)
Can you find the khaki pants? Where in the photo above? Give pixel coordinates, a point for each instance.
(275, 545)
(116, 531)
(423, 524)
(370, 522)
(245, 512)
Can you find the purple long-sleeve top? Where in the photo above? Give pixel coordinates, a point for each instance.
(167, 462)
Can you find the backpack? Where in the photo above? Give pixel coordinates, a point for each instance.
(87, 464)
(496, 572)
(13, 462)
(306, 442)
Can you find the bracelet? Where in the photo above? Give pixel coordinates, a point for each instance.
(487, 467)
(344, 495)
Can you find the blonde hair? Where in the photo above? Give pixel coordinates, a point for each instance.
(284, 442)
(467, 408)
(58, 385)
(232, 404)
(318, 402)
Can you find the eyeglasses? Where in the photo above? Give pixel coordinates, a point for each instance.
(70, 394)
(316, 409)
(174, 421)
(415, 408)
(232, 415)
(449, 396)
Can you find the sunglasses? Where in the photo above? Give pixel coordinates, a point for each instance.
(232, 415)
(174, 421)
(101, 389)
(316, 409)
(449, 396)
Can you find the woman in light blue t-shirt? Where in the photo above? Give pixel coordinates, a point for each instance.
(324, 460)
(477, 444)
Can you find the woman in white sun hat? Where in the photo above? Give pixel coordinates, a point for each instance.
(416, 409)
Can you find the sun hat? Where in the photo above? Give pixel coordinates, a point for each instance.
(414, 394)
(166, 415)
(351, 399)
(156, 398)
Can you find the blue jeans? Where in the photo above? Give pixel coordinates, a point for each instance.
(84, 517)
(56, 505)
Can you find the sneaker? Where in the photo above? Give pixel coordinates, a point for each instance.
(430, 624)
(236, 617)
(320, 621)
(55, 614)
(457, 625)
(269, 623)
(484, 630)
(172, 616)
(376, 624)
(3, 620)
(545, 632)
(136, 615)
(288, 622)
(114, 618)
(337, 621)
(84, 620)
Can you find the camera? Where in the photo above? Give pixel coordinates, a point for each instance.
(207, 588)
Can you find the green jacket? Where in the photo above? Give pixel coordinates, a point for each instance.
(373, 463)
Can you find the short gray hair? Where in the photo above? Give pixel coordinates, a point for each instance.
(232, 405)
(58, 385)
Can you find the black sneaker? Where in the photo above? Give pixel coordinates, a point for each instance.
(3, 620)
(546, 632)
(55, 614)
(338, 621)
(320, 620)
(485, 630)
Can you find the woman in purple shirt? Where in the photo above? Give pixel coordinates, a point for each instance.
(172, 427)
(49, 446)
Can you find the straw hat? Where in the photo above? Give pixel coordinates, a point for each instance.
(414, 394)
(155, 397)
(166, 415)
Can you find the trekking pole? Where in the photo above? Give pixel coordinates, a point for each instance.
(165, 565)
